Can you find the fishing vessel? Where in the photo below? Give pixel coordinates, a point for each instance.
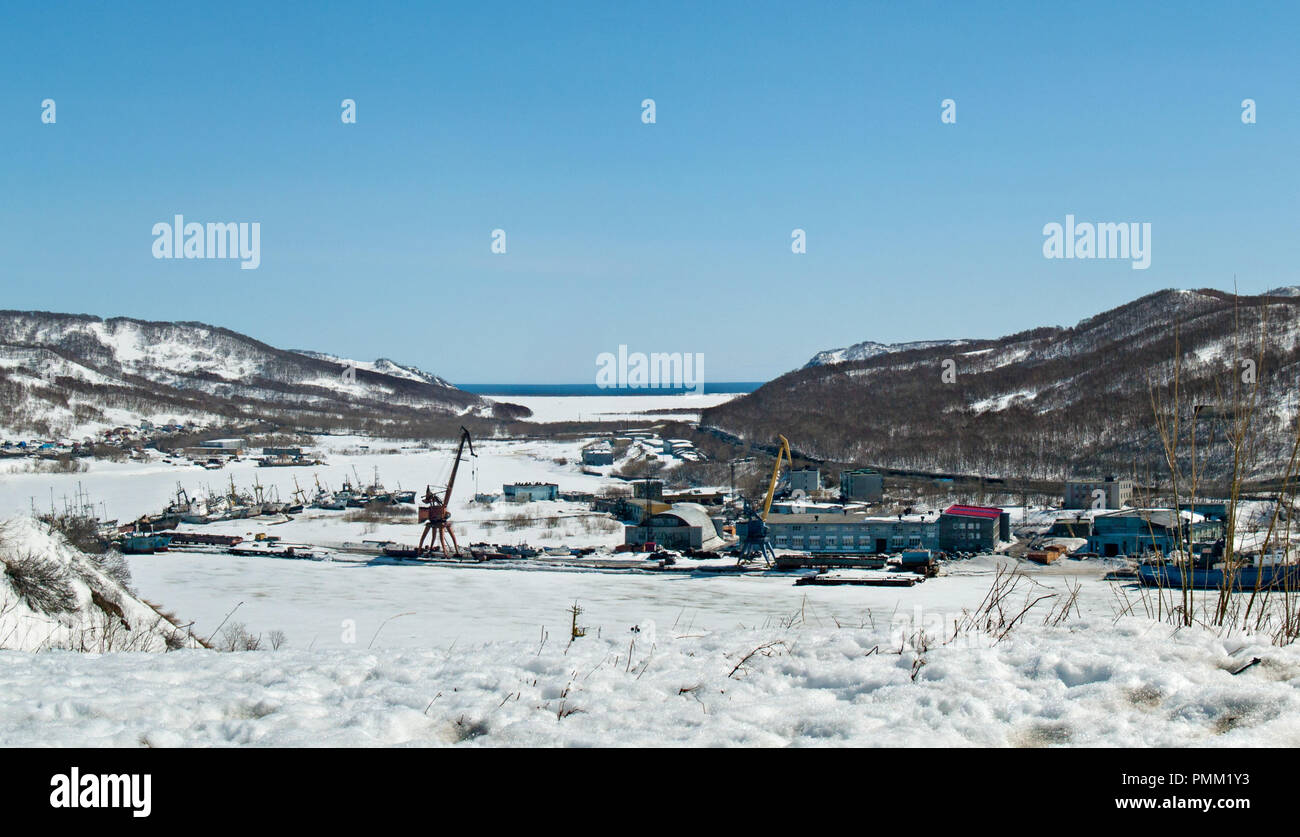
(1266, 574)
(144, 544)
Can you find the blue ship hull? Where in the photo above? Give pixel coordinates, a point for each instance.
(145, 544)
(1282, 577)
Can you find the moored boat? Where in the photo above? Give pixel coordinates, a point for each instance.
(145, 544)
(1250, 577)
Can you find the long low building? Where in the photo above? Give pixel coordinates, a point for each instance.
(958, 528)
(520, 492)
(853, 532)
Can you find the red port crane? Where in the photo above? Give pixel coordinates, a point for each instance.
(435, 514)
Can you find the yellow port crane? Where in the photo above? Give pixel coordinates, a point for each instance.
(754, 538)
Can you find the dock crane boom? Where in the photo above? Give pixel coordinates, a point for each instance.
(754, 538)
(784, 450)
(436, 511)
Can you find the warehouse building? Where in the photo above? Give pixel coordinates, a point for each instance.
(1109, 493)
(601, 453)
(524, 492)
(681, 526)
(1078, 526)
(806, 480)
(648, 489)
(862, 484)
(853, 533)
(1138, 531)
(973, 528)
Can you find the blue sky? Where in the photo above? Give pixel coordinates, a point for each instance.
(666, 237)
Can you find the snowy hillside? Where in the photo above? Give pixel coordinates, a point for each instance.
(54, 597)
(383, 366)
(68, 375)
(869, 349)
(1046, 402)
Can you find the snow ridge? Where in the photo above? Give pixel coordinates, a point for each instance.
(869, 349)
(55, 597)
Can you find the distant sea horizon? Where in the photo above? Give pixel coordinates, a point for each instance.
(710, 388)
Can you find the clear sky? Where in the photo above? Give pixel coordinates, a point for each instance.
(674, 236)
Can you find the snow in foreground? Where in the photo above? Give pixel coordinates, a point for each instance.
(1088, 683)
(53, 596)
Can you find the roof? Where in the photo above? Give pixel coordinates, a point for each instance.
(656, 506)
(986, 512)
(693, 514)
(1163, 517)
(846, 519)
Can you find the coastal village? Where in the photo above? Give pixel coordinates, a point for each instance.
(845, 528)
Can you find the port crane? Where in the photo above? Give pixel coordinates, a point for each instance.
(754, 541)
(435, 514)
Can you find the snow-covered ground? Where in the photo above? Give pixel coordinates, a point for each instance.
(428, 655)
(1086, 683)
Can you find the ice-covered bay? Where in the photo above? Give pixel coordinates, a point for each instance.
(317, 604)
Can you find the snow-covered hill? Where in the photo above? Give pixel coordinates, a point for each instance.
(869, 349)
(53, 596)
(1047, 402)
(383, 366)
(63, 374)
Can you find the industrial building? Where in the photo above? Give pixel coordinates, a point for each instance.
(600, 453)
(223, 444)
(523, 492)
(801, 506)
(648, 489)
(681, 526)
(206, 454)
(1109, 493)
(862, 484)
(681, 449)
(703, 496)
(1078, 526)
(806, 480)
(853, 533)
(1213, 509)
(628, 509)
(1137, 531)
(973, 528)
